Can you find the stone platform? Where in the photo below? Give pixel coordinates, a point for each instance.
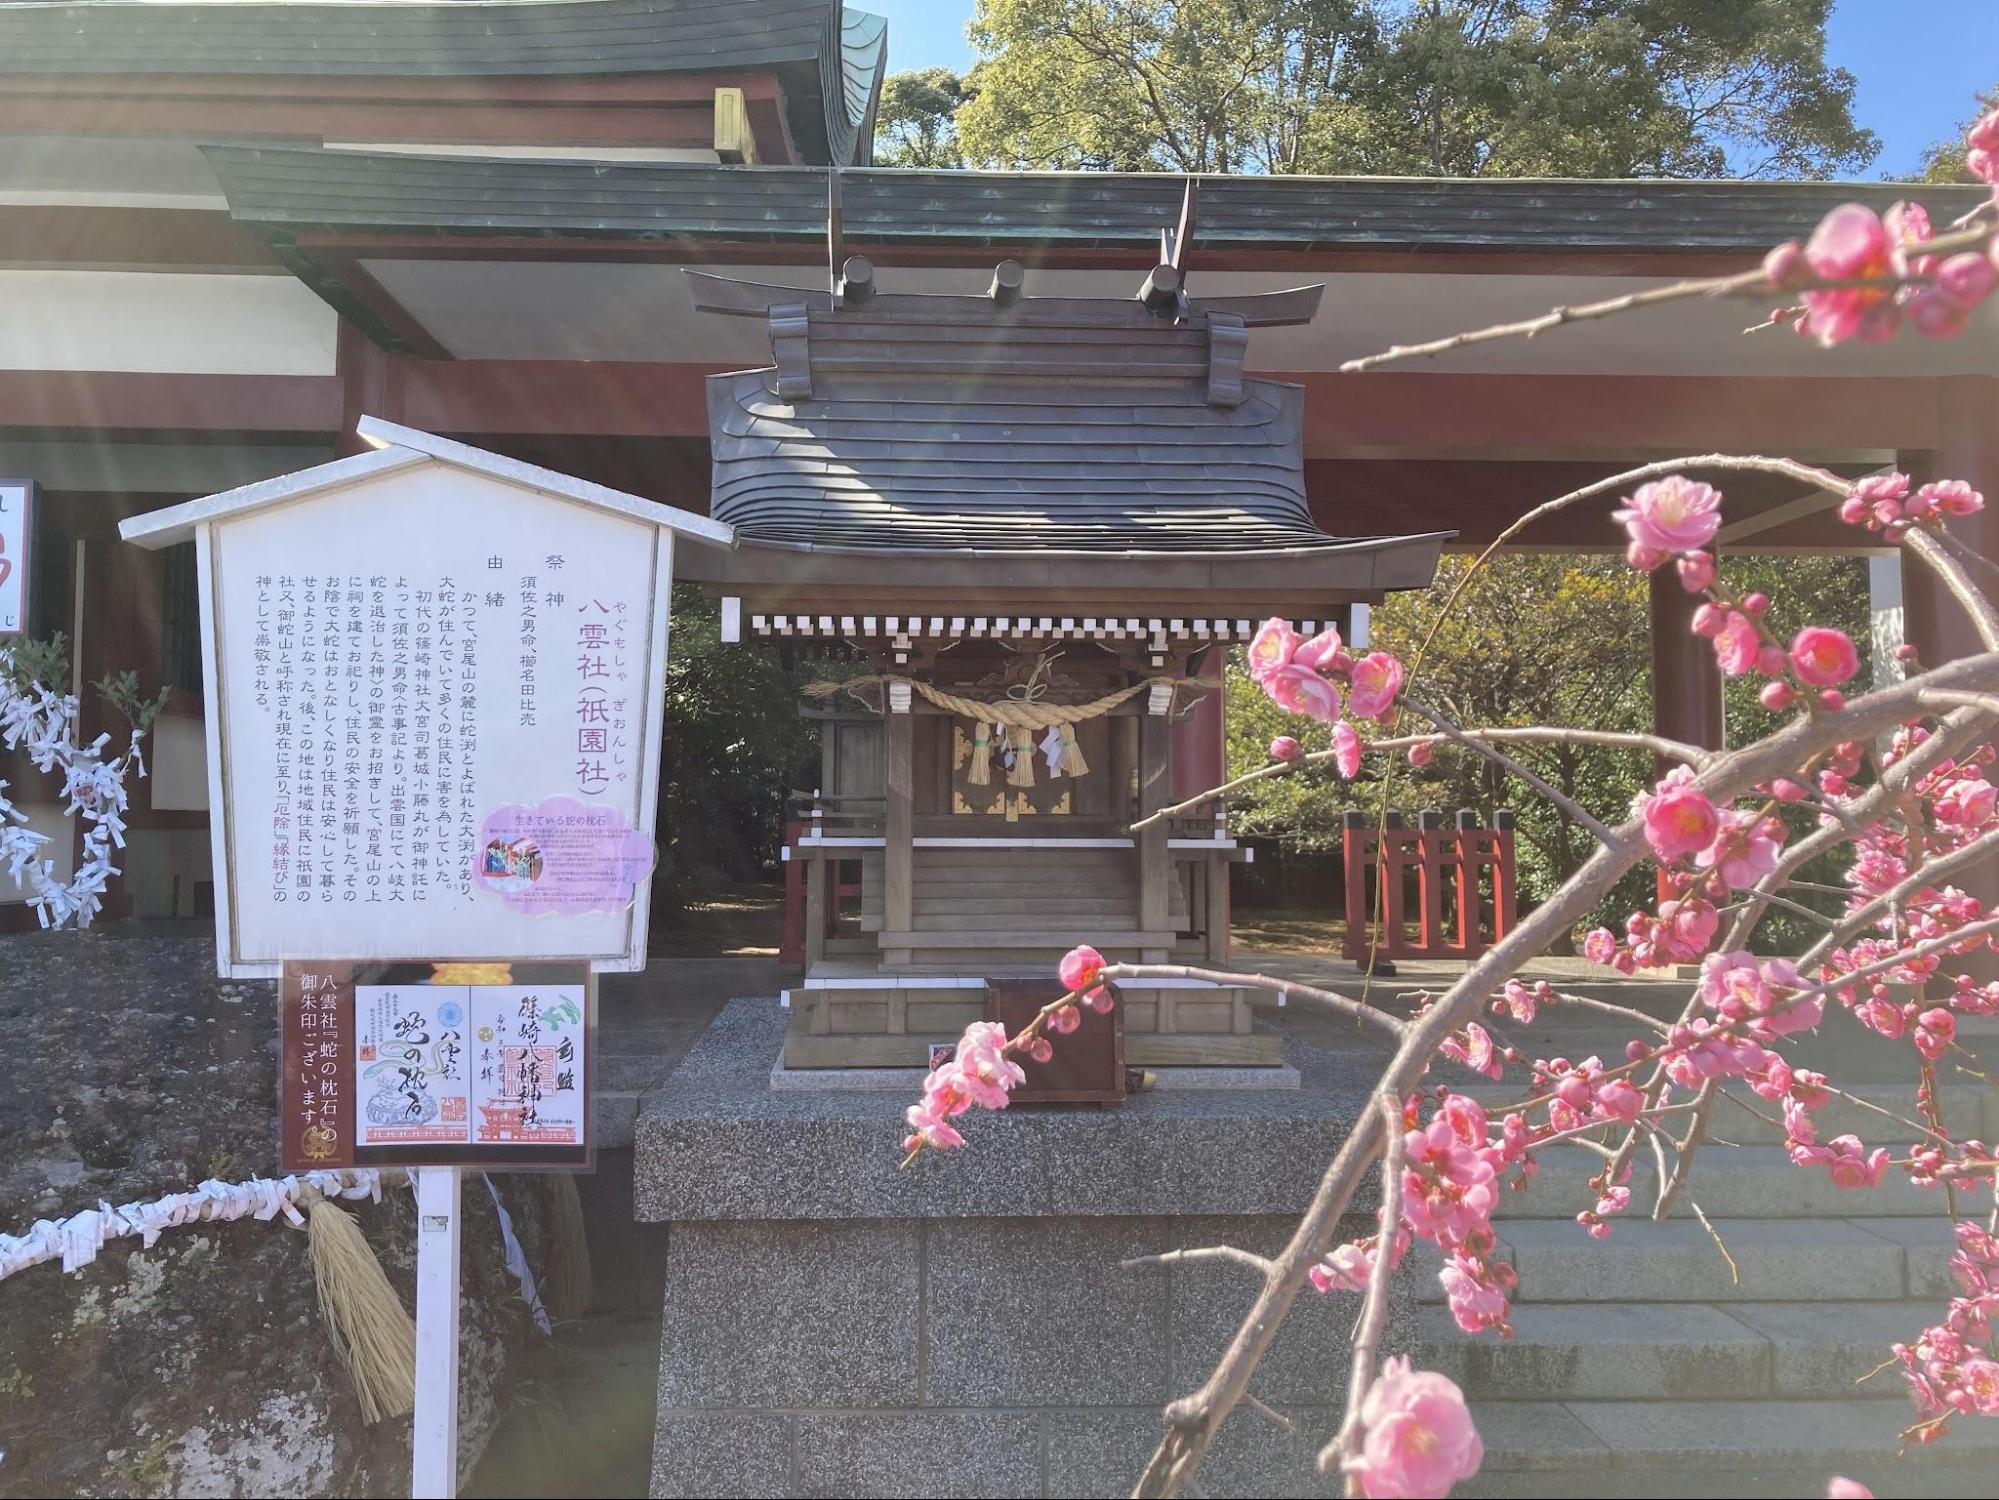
(837, 1325)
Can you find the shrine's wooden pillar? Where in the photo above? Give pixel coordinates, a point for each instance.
(1968, 449)
(1686, 683)
(1932, 621)
(1155, 861)
(898, 849)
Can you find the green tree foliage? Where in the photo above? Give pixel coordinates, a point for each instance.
(1537, 639)
(914, 124)
(1944, 160)
(734, 745)
(1583, 88)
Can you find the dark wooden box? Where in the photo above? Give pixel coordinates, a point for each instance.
(1088, 1065)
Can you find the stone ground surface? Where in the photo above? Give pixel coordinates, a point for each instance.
(199, 1367)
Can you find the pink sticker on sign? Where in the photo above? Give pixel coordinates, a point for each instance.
(564, 857)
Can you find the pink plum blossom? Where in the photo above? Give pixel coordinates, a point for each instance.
(1376, 679)
(1679, 818)
(1737, 644)
(1744, 850)
(1473, 1049)
(1419, 1439)
(1852, 244)
(1273, 646)
(1346, 750)
(1981, 148)
(1300, 690)
(1823, 657)
(1671, 515)
(1324, 652)
(1079, 972)
(1952, 497)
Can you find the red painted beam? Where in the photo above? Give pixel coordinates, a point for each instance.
(556, 397)
(1580, 414)
(116, 400)
(174, 239)
(1385, 415)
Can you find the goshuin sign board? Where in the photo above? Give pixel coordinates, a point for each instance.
(433, 678)
(16, 498)
(406, 1064)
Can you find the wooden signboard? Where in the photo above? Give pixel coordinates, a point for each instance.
(434, 680)
(448, 1064)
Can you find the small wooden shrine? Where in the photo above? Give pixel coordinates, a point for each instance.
(1040, 522)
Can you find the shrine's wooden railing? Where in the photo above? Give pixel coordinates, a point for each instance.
(824, 841)
(1452, 870)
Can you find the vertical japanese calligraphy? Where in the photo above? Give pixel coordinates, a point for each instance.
(415, 654)
(434, 1064)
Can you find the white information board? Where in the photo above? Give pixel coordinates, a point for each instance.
(428, 686)
(16, 495)
(433, 679)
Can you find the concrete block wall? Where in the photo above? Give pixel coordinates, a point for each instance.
(999, 1357)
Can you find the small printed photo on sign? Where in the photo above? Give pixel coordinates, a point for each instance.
(436, 1064)
(563, 857)
(16, 496)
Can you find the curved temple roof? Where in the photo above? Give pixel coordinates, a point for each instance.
(830, 58)
(1047, 426)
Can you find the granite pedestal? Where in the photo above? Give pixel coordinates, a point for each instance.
(836, 1325)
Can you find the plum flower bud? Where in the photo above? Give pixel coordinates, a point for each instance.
(1643, 559)
(1421, 753)
(1696, 571)
(1832, 700)
(1285, 747)
(1785, 267)
(1966, 279)
(1905, 652)
(1853, 510)
(1770, 661)
(1936, 316)
(1710, 621)
(1756, 605)
(1777, 695)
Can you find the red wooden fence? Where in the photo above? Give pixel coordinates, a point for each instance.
(1454, 917)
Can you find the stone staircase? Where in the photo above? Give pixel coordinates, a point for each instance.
(1643, 1365)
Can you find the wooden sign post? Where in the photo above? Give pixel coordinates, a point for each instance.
(433, 679)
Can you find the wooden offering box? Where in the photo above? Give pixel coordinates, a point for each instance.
(1088, 1065)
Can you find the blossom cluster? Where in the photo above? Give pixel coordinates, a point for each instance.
(981, 1070)
(1953, 1367)
(1862, 273)
(1306, 676)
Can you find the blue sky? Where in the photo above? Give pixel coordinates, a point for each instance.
(1920, 63)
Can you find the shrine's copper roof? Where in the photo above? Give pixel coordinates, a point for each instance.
(829, 58)
(957, 424)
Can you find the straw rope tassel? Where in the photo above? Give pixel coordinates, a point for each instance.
(1020, 738)
(566, 1277)
(1073, 763)
(980, 771)
(371, 1330)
